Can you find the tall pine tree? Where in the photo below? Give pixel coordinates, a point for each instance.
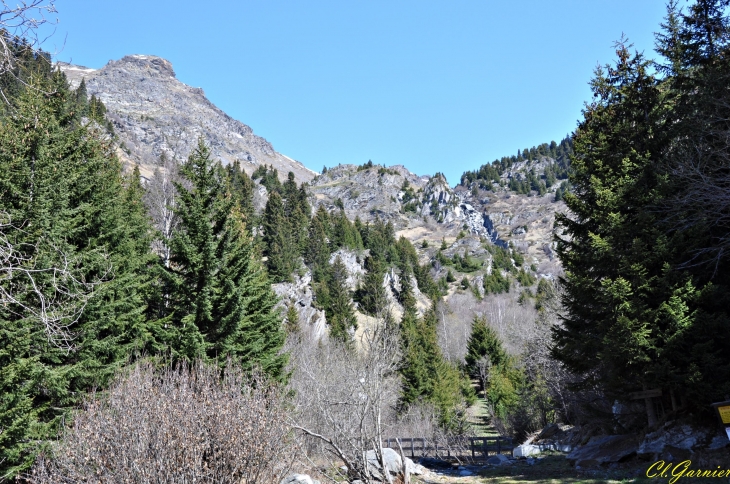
(339, 310)
(279, 247)
(222, 303)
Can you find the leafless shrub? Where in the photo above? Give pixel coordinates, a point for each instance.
(702, 197)
(420, 420)
(178, 425)
(551, 394)
(21, 20)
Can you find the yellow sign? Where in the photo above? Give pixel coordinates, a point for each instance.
(724, 414)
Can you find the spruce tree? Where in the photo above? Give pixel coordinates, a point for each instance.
(695, 43)
(488, 363)
(292, 320)
(373, 299)
(426, 374)
(289, 190)
(241, 187)
(339, 311)
(483, 343)
(625, 305)
(317, 252)
(298, 216)
(223, 305)
(82, 98)
(278, 242)
(344, 233)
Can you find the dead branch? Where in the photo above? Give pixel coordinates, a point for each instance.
(54, 294)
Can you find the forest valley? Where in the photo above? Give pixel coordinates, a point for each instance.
(152, 328)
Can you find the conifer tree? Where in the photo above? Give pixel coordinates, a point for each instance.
(373, 300)
(298, 213)
(317, 253)
(339, 310)
(695, 43)
(426, 374)
(292, 320)
(289, 189)
(344, 233)
(223, 305)
(278, 243)
(324, 219)
(241, 187)
(82, 98)
(627, 309)
(483, 343)
(488, 363)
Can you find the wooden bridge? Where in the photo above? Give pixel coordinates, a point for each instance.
(455, 448)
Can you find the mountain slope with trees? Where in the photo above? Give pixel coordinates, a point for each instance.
(552, 285)
(83, 293)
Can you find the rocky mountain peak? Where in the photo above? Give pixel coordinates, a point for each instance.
(151, 64)
(155, 114)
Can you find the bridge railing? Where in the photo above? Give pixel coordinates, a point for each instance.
(453, 448)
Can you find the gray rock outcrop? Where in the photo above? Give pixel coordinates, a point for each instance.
(354, 265)
(367, 193)
(299, 293)
(299, 479)
(604, 449)
(393, 463)
(671, 443)
(498, 460)
(525, 450)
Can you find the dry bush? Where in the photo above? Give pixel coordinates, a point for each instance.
(549, 394)
(345, 399)
(420, 419)
(178, 425)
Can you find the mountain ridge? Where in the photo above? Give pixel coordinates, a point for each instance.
(154, 114)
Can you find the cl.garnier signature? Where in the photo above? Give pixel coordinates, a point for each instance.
(682, 469)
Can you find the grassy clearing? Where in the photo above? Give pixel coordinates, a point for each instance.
(478, 417)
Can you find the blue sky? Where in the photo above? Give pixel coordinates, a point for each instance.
(435, 86)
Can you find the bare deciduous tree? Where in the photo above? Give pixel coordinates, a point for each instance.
(703, 193)
(345, 399)
(483, 366)
(540, 365)
(176, 426)
(21, 19)
(160, 198)
(514, 322)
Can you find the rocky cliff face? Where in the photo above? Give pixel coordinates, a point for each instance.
(367, 193)
(407, 200)
(426, 209)
(154, 113)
